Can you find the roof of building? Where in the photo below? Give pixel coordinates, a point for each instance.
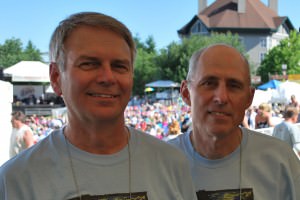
(223, 14)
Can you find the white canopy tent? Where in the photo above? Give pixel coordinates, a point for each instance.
(163, 84)
(28, 71)
(285, 90)
(282, 94)
(168, 87)
(6, 89)
(261, 96)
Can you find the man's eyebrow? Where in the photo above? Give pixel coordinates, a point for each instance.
(209, 77)
(235, 80)
(83, 57)
(124, 61)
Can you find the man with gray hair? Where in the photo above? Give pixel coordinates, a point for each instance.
(95, 156)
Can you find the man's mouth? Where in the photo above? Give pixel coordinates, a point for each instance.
(102, 95)
(218, 113)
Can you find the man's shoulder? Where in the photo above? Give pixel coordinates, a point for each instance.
(179, 141)
(148, 139)
(262, 142)
(150, 143)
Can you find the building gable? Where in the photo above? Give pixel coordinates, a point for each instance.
(223, 16)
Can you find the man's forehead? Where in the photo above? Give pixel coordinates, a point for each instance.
(221, 53)
(220, 71)
(222, 58)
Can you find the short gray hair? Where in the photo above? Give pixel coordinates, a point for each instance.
(94, 19)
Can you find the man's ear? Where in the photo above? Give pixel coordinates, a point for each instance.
(251, 96)
(185, 93)
(54, 74)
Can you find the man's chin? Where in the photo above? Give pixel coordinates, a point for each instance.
(220, 131)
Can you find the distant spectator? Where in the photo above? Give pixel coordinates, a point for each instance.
(174, 127)
(186, 122)
(22, 136)
(263, 118)
(251, 117)
(245, 123)
(294, 101)
(287, 130)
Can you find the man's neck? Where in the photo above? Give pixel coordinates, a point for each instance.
(212, 147)
(101, 140)
(19, 125)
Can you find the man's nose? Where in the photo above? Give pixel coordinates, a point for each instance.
(105, 74)
(221, 94)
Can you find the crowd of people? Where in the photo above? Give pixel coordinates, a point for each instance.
(166, 120)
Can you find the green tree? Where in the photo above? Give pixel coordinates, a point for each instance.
(31, 53)
(287, 52)
(173, 61)
(11, 52)
(145, 69)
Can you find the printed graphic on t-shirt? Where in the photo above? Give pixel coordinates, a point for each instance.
(234, 194)
(119, 196)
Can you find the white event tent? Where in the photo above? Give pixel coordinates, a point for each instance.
(28, 71)
(285, 90)
(6, 89)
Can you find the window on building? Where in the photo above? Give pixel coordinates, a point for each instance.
(262, 56)
(241, 40)
(198, 27)
(263, 42)
(269, 43)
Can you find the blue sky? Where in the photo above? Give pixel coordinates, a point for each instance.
(35, 20)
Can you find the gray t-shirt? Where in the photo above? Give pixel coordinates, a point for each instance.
(288, 132)
(43, 172)
(265, 169)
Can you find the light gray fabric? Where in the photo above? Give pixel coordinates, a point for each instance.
(43, 172)
(270, 169)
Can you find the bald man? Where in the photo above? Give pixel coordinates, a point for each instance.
(225, 159)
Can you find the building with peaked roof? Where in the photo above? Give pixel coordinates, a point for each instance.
(259, 27)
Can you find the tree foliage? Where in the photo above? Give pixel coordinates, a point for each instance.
(30, 53)
(173, 61)
(287, 52)
(145, 69)
(12, 52)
